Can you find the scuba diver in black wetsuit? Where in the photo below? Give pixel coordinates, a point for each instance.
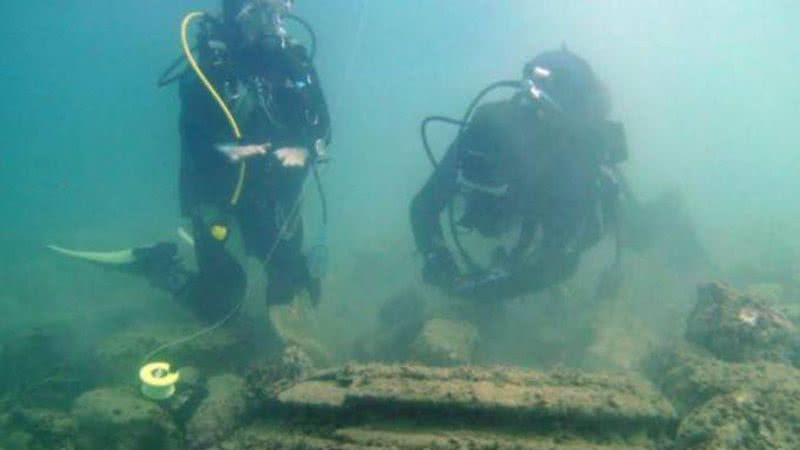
(253, 124)
(545, 160)
(256, 180)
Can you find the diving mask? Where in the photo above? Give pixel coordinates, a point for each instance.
(537, 84)
(262, 20)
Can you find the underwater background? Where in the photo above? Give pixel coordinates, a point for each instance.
(708, 92)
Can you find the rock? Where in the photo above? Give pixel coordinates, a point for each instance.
(745, 420)
(119, 419)
(690, 376)
(296, 362)
(266, 380)
(444, 343)
(266, 436)
(120, 356)
(737, 327)
(42, 367)
(18, 440)
(415, 407)
(579, 397)
(219, 413)
(12, 438)
(400, 320)
(189, 392)
(48, 429)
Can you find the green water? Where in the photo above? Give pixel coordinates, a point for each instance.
(707, 90)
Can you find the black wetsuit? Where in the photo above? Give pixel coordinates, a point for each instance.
(276, 98)
(557, 185)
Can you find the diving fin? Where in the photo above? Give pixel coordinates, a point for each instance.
(159, 263)
(119, 257)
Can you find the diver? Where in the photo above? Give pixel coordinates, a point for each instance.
(253, 125)
(543, 162)
(254, 180)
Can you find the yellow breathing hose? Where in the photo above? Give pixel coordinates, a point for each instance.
(231, 120)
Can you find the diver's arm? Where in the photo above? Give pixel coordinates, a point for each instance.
(200, 118)
(199, 123)
(428, 204)
(440, 188)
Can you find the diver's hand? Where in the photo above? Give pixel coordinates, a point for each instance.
(440, 269)
(292, 156)
(236, 153)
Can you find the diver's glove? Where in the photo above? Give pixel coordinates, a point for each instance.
(440, 268)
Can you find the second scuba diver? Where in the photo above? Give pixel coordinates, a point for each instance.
(253, 124)
(254, 180)
(545, 160)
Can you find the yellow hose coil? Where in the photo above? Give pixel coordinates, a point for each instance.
(237, 192)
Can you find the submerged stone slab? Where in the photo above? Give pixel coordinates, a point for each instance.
(563, 394)
(266, 436)
(416, 407)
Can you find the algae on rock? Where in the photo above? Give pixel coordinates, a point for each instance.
(445, 343)
(118, 419)
(744, 420)
(221, 412)
(738, 327)
(690, 376)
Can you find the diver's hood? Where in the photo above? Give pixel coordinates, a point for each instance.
(258, 22)
(234, 9)
(564, 82)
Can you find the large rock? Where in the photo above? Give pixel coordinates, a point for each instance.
(400, 320)
(414, 407)
(266, 380)
(41, 367)
(40, 429)
(409, 437)
(219, 413)
(729, 405)
(690, 376)
(119, 419)
(444, 343)
(740, 327)
(120, 356)
(744, 420)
